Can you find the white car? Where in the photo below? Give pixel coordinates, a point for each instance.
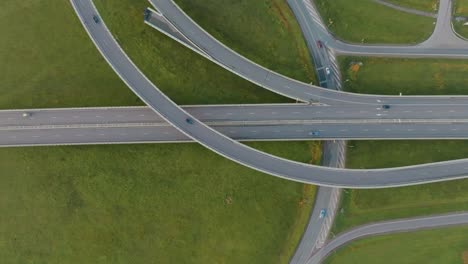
(323, 213)
(327, 70)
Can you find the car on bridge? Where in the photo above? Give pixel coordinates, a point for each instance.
(385, 106)
(327, 70)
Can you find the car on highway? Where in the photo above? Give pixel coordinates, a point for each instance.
(327, 70)
(385, 106)
(96, 19)
(189, 120)
(323, 213)
(319, 44)
(26, 114)
(314, 133)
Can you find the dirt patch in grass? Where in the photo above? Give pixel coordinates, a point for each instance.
(465, 257)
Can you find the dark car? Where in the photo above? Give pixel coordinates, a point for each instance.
(319, 44)
(96, 19)
(385, 106)
(189, 120)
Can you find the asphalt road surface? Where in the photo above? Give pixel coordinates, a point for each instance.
(244, 123)
(401, 225)
(250, 157)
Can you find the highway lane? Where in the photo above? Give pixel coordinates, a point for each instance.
(395, 226)
(231, 113)
(234, 62)
(243, 154)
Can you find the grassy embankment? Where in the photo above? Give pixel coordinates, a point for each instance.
(423, 5)
(460, 9)
(366, 21)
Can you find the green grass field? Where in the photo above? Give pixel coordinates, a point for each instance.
(177, 203)
(461, 9)
(369, 22)
(423, 5)
(408, 76)
(446, 245)
(173, 203)
(363, 206)
(47, 60)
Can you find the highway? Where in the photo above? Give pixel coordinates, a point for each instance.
(105, 125)
(242, 154)
(394, 226)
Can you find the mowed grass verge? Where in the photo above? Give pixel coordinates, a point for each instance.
(445, 245)
(139, 203)
(390, 76)
(369, 22)
(47, 60)
(177, 203)
(460, 9)
(423, 5)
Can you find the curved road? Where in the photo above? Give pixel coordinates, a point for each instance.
(273, 81)
(245, 155)
(394, 226)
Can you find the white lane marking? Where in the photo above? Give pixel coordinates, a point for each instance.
(35, 136)
(53, 117)
(207, 114)
(75, 116)
(98, 116)
(254, 131)
(142, 115)
(343, 130)
(452, 111)
(299, 130)
(145, 134)
(407, 111)
(296, 113)
(251, 113)
(274, 113)
(12, 136)
(101, 134)
(232, 131)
